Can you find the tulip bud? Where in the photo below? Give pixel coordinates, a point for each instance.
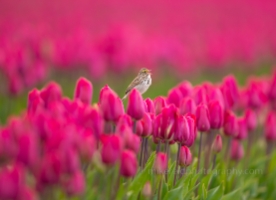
(111, 106)
(125, 119)
(135, 107)
(105, 89)
(147, 191)
(168, 119)
(160, 164)
(34, 100)
(93, 120)
(242, 129)
(111, 149)
(149, 106)
(202, 118)
(185, 88)
(174, 97)
(192, 130)
(270, 128)
(182, 131)
(216, 94)
(75, 185)
(51, 93)
(229, 90)
(256, 95)
(236, 150)
(230, 126)
(216, 114)
(185, 156)
(187, 105)
(200, 95)
(11, 181)
(272, 88)
(129, 164)
(251, 119)
(217, 144)
(83, 91)
(147, 125)
(159, 104)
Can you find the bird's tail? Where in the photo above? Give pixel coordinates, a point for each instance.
(124, 97)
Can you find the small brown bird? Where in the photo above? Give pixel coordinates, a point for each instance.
(140, 83)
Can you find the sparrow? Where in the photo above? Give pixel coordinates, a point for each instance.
(141, 82)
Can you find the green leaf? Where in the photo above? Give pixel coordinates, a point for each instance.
(139, 181)
(236, 194)
(174, 194)
(202, 192)
(215, 193)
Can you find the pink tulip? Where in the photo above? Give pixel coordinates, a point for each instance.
(185, 157)
(174, 97)
(272, 88)
(75, 185)
(160, 164)
(83, 91)
(111, 149)
(270, 129)
(251, 119)
(202, 118)
(135, 107)
(187, 105)
(192, 129)
(159, 104)
(149, 106)
(111, 106)
(216, 114)
(182, 131)
(236, 150)
(242, 129)
(229, 90)
(217, 144)
(230, 126)
(147, 125)
(129, 164)
(51, 93)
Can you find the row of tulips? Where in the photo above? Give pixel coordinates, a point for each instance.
(28, 56)
(56, 142)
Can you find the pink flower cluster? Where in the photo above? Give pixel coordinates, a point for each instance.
(54, 141)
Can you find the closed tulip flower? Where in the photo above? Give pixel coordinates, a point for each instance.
(242, 129)
(51, 93)
(174, 97)
(159, 104)
(251, 119)
(217, 144)
(135, 107)
(75, 185)
(187, 105)
(216, 114)
(237, 151)
(230, 92)
(185, 156)
(83, 91)
(129, 165)
(270, 128)
(230, 126)
(149, 106)
(202, 118)
(182, 130)
(160, 164)
(111, 149)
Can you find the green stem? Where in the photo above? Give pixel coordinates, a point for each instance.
(159, 188)
(199, 152)
(177, 163)
(168, 157)
(141, 153)
(214, 161)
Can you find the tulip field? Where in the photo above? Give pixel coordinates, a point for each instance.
(208, 141)
(204, 130)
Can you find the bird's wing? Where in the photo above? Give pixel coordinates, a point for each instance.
(135, 82)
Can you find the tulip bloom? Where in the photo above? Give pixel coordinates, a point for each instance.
(270, 128)
(147, 125)
(185, 157)
(111, 106)
(217, 144)
(83, 91)
(160, 164)
(129, 164)
(251, 119)
(174, 97)
(135, 107)
(230, 126)
(187, 105)
(149, 106)
(182, 131)
(236, 150)
(51, 93)
(75, 185)
(202, 118)
(111, 149)
(159, 104)
(242, 129)
(216, 114)
(229, 90)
